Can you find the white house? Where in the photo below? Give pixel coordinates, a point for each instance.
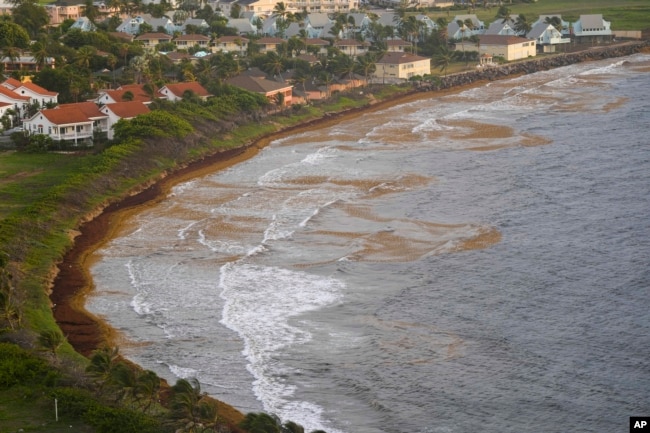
(499, 27)
(508, 47)
(176, 91)
(67, 123)
(455, 31)
(35, 92)
(547, 37)
(122, 110)
(592, 27)
(397, 66)
(18, 102)
(565, 25)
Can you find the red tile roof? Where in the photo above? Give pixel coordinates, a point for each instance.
(37, 89)
(65, 116)
(127, 110)
(12, 95)
(179, 88)
(136, 89)
(12, 82)
(90, 109)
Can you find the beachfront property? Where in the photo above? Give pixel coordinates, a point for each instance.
(547, 37)
(592, 28)
(394, 67)
(62, 123)
(177, 91)
(471, 26)
(121, 110)
(565, 26)
(36, 94)
(508, 47)
(277, 92)
(130, 92)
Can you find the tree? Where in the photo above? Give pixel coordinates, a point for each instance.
(504, 14)
(366, 65)
(261, 423)
(344, 65)
(443, 59)
(273, 64)
(51, 340)
(556, 22)
(30, 16)
(522, 26)
(13, 35)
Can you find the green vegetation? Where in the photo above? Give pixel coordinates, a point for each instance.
(623, 14)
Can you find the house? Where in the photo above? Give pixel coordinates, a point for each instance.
(396, 67)
(455, 31)
(508, 47)
(562, 26)
(243, 26)
(84, 24)
(352, 47)
(18, 102)
(260, 7)
(60, 11)
(593, 28)
(175, 92)
(397, 45)
(184, 42)
(151, 40)
(92, 111)
(36, 93)
(500, 27)
(131, 92)
(547, 37)
(269, 88)
(228, 44)
(131, 25)
(317, 24)
(122, 110)
(319, 45)
(197, 23)
(26, 63)
(67, 123)
(267, 44)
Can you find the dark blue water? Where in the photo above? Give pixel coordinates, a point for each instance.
(476, 262)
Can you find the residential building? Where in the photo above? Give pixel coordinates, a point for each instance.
(351, 47)
(177, 91)
(547, 37)
(592, 27)
(60, 11)
(66, 123)
(397, 66)
(267, 44)
(508, 47)
(397, 45)
(231, 44)
(151, 40)
(455, 31)
(18, 102)
(500, 27)
(130, 92)
(26, 63)
(184, 42)
(84, 24)
(269, 88)
(92, 112)
(121, 110)
(565, 25)
(35, 93)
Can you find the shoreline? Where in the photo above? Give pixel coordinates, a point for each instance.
(73, 283)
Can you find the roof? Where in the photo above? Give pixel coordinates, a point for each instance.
(397, 58)
(136, 89)
(127, 110)
(497, 26)
(594, 21)
(178, 89)
(318, 19)
(397, 43)
(37, 89)
(227, 39)
(150, 36)
(89, 108)
(192, 37)
(12, 95)
(121, 35)
(65, 115)
(350, 43)
(270, 40)
(12, 83)
(501, 40)
(258, 85)
(317, 42)
(539, 29)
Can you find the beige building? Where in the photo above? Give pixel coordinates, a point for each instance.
(397, 66)
(508, 47)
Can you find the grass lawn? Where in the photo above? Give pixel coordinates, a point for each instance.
(25, 178)
(623, 14)
(37, 416)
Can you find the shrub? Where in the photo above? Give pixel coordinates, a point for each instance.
(18, 366)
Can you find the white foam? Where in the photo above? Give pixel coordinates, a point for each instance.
(259, 301)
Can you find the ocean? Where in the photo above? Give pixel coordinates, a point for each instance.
(478, 261)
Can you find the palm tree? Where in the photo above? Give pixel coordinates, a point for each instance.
(261, 423)
(325, 77)
(366, 64)
(102, 363)
(274, 64)
(504, 14)
(344, 65)
(555, 22)
(443, 59)
(39, 52)
(51, 340)
(84, 56)
(190, 405)
(522, 26)
(111, 60)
